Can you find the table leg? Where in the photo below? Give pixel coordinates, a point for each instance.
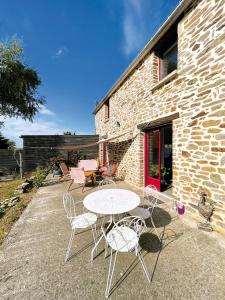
(111, 221)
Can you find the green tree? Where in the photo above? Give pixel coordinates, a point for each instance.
(6, 143)
(69, 133)
(18, 83)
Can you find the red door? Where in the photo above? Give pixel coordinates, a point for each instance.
(152, 158)
(104, 155)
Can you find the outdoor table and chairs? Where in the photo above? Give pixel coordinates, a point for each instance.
(122, 235)
(89, 169)
(110, 202)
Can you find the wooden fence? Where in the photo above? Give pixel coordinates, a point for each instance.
(38, 149)
(7, 161)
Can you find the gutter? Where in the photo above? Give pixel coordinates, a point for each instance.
(180, 9)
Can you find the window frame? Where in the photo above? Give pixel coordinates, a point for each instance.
(107, 111)
(161, 74)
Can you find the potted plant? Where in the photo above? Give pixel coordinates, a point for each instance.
(165, 172)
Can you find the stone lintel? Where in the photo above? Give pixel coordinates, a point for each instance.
(158, 122)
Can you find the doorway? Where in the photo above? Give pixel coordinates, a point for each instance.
(158, 157)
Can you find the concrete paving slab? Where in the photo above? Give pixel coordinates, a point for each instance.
(188, 264)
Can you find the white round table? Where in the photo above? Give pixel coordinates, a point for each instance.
(111, 201)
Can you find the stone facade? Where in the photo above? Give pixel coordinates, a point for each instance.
(196, 90)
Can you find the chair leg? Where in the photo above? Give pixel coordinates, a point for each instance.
(95, 247)
(93, 229)
(83, 186)
(69, 245)
(93, 179)
(71, 182)
(101, 183)
(110, 273)
(143, 265)
(106, 249)
(156, 231)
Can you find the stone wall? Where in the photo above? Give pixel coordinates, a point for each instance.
(197, 92)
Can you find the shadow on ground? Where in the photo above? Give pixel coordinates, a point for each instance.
(160, 217)
(150, 242)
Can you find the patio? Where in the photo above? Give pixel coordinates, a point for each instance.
(189, 264)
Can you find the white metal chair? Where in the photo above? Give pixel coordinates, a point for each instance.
(124, 237)
(82, 221)
(146, 213)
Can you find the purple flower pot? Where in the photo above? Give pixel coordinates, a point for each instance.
(180, 208)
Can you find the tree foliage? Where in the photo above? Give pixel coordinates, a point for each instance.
(6, 143)
(69, 133)
(18, 83)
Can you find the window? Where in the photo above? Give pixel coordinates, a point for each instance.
(168, 61)
(107, 110)
(166, 51)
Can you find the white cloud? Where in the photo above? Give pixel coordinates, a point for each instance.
(62, 50)
(133, 27)
(15, 127)
(45, 111)
(59, 52)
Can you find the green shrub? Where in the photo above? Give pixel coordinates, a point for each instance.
(40, 175)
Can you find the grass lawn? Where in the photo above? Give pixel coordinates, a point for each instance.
(7, 188)
(13, 213)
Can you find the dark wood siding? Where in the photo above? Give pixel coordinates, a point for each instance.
(39, 157)
(7, 161)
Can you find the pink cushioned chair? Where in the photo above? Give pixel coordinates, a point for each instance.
(77, 176)
(88, 165)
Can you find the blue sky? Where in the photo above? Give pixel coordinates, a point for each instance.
(79, 49)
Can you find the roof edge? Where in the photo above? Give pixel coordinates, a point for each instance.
(181, 8)
(58, 135)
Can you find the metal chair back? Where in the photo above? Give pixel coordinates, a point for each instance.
(69, 205)
(133, 222)
(150, 194)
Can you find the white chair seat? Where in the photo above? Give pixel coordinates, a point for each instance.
(122, 239)
(84, 220)
(140, 212)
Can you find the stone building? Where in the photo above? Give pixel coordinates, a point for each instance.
(164, 119)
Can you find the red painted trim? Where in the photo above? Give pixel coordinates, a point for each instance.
(104, 154)
(148, 179)
(146, 158)
(159, 157)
